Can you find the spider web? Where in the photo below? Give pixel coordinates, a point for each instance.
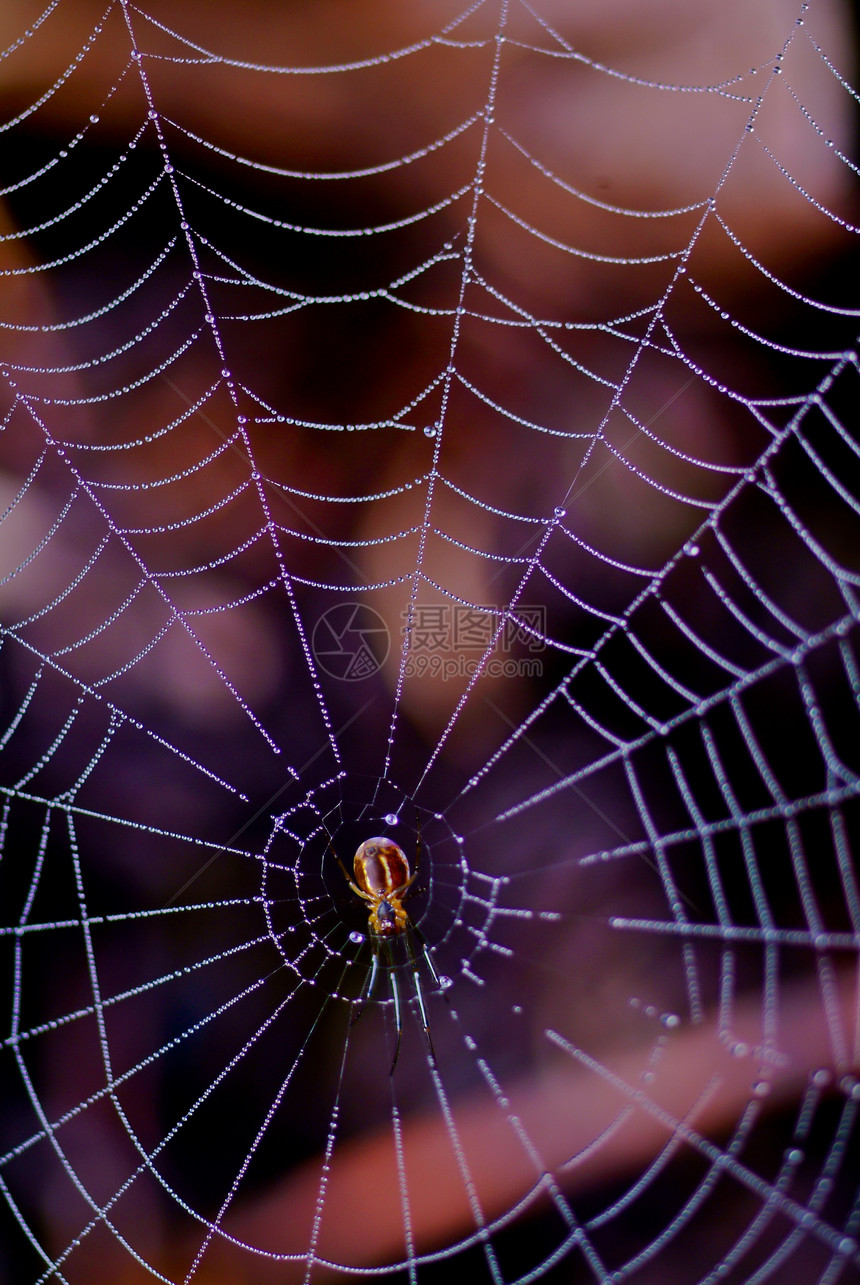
(398, 438)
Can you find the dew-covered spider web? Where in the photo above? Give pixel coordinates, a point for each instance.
(435, 421)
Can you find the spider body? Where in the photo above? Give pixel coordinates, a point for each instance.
(382, 878)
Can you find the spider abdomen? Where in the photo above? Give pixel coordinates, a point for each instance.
(380, 867)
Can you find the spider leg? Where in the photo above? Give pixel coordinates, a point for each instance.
(417, 840)
(369, 982)
(395, 995)
(428, 958)
(342, 866)
(416, 982)
(399, 892)
(352, 885)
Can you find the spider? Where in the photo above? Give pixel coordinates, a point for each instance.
(383, 879)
